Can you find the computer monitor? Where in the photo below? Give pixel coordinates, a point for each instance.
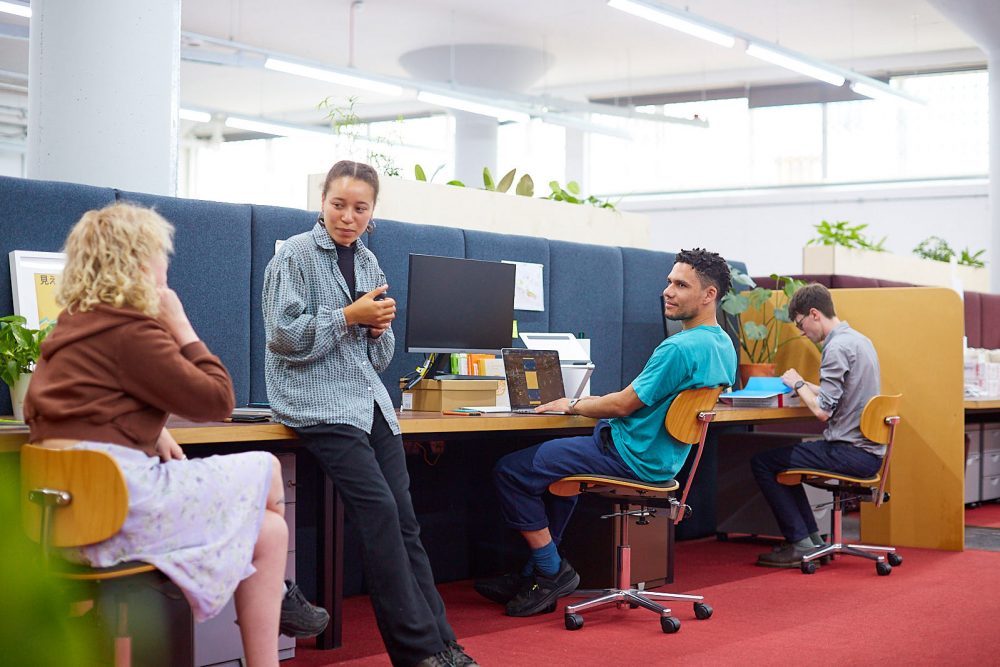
(459, 305)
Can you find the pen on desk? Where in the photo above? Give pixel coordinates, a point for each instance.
(463, 412)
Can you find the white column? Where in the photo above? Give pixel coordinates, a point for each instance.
(980, 20)
(475, 147)
(576, 157)
(103, 90)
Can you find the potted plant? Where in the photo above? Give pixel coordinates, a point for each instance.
(19, 350)
(758, 316)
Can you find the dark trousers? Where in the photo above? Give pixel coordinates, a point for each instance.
(789, 503)
(369, 472)
(522, 478)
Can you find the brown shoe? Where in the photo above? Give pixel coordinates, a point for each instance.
(788, 556)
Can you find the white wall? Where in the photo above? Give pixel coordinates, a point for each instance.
(11, 163)
(768, 228)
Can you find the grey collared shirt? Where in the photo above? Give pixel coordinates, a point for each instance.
(318, 369)
(848, 377)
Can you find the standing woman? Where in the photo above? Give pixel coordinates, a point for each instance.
(328, 337)
(121, 357)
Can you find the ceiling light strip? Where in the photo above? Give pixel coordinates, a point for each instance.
(676, 19)
(762, 49)
(15, 8)
(473, 106)
(332, 76)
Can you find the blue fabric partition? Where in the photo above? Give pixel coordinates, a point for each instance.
(210, 272)
(392, 242)
(490, 246)
(644, 279)
(268, 224)
(37, 215)
(585, 295)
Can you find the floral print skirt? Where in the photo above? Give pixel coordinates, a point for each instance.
(196, 520)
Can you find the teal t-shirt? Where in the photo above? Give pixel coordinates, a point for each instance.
(699, 357)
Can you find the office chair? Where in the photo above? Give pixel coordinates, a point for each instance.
(75, 497)
(687, 421)
(878, 423)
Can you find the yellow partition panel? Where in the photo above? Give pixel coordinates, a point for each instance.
(917, 332)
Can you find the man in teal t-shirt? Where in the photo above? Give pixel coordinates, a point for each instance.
(629, 441)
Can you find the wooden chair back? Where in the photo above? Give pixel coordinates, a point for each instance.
(687, 420)
(98, 495)
(878, 423)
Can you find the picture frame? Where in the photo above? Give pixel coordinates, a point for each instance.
(34, 280)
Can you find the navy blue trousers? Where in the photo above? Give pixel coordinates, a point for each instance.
(789, 503)
(522, 478)
(369, 472)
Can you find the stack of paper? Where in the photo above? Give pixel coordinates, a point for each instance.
(762, 392)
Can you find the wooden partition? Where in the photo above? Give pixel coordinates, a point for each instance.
(917, 332)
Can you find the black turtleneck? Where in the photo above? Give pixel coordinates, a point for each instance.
(345, 261)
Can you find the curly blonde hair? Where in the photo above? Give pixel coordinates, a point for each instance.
(108, 252)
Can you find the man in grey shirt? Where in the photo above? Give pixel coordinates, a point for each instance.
(848, 378)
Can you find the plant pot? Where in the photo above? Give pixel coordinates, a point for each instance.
(755, 370)
(17, 394)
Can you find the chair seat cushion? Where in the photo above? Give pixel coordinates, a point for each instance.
(823, 478)
(65, 569)
(612, 486)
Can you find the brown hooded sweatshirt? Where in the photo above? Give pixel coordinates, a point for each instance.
(113, 374)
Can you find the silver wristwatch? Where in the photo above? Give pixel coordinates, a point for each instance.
(572, 403)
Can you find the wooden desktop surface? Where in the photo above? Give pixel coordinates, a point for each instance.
(415, 423)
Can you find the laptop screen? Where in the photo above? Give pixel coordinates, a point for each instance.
(534, 377)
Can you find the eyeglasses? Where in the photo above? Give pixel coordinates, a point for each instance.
(798, 322)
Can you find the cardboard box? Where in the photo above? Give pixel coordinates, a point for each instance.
(443, 395)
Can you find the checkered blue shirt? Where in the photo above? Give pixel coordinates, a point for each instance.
(318, 369)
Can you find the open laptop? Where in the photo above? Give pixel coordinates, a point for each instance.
(534, 377)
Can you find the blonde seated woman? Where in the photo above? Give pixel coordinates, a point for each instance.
(123, 356)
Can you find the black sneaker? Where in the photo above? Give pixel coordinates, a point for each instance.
(458, 656)
(299, 618)
(541, 595)
(442, 659)
(502, 589)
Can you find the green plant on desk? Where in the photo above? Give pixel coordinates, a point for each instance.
(936, 248)
(760, 336)
(19, 347)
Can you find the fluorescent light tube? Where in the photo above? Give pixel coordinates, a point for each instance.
(196, 116)
(875, 92)
(352, 80)
(15, 9)
(674, 19)
(480, 108)
(795, 64)
(271, 128)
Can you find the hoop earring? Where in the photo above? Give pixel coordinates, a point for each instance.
(371, 227)
(319, 218)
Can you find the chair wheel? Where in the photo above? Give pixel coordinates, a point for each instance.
(895, 559)
(669, 624)
(808, 567)
(573, 621)
(702, 611)
(883, 569)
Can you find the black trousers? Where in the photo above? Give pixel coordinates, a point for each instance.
(369, 472)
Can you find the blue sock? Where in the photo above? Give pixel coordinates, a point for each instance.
(546, 559)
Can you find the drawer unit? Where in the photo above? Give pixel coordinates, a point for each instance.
(991, 487)
(991, 450)
(217, 640)
(973, 463)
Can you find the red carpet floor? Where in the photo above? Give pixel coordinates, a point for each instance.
(936, 608)
(986, 515)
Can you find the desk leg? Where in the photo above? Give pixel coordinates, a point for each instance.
(330, 560)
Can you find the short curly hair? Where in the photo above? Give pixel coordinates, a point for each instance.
(107, 253)
(711, 268)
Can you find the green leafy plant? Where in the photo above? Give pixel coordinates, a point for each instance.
(843, 234)
(571, 194)
(760, 337)
(968, 258)
(19, 347)
(936, 248)
(525, 186)
(346, 123)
